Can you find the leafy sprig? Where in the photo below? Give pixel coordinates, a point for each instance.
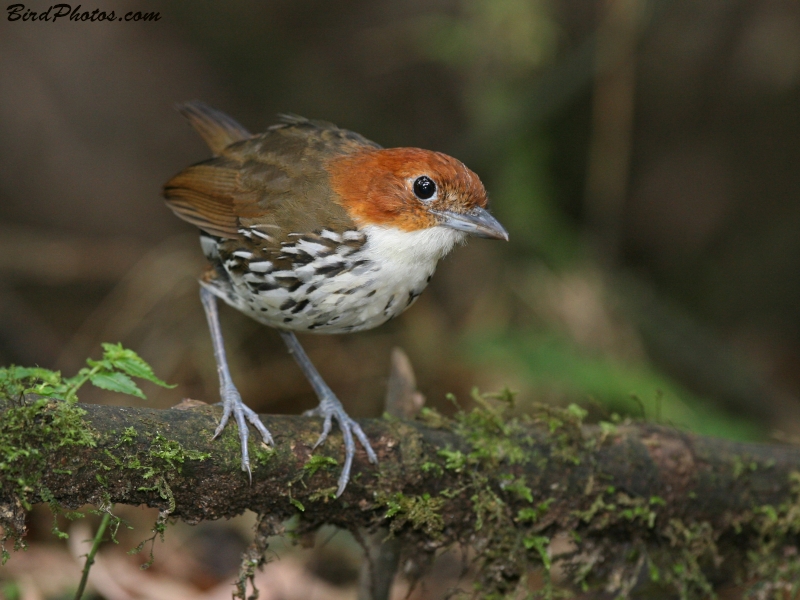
(113, 372)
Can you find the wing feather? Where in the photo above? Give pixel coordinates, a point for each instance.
(276, 179)
(204, 196)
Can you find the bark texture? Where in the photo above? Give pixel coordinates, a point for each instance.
(507, 485)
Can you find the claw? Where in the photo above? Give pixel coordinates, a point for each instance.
(330, 408)
(233, 405)
(231, 399)
(326, 429)
(226, 413)
(362, 437)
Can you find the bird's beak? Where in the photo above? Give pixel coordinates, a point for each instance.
(477, 222)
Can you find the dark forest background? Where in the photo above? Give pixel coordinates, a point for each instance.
(643, 155)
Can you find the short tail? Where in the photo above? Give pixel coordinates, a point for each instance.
(217, 129)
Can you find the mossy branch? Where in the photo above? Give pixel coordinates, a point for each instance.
(536, 491)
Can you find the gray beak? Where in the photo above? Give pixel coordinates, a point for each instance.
(477, 222)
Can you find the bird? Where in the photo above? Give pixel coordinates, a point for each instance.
(311, 228)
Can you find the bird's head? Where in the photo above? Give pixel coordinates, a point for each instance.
(412, 189)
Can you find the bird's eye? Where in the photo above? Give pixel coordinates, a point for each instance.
(424, 187)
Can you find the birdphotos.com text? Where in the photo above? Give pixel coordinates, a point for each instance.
(69, 12)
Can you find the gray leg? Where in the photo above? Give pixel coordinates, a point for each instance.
(231, 400)
(330, 408)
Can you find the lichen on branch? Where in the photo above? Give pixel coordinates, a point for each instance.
(608, 506)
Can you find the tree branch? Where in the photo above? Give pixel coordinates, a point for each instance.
(515, 487)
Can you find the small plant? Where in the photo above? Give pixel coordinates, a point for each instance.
(113, 372)
(31, 429)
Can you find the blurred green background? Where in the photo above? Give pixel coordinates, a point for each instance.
(643, 156)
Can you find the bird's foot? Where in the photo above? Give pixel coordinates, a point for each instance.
(329, 409)
(233, 405)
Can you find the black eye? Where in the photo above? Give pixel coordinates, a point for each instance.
(424, 188)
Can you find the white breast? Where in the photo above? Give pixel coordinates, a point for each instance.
(347, 290)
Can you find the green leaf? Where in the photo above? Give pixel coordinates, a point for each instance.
(131, 363)
(22, 380)
(103, 364)
(45, 375)
(117, 382)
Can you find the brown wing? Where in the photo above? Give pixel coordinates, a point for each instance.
(275, 180)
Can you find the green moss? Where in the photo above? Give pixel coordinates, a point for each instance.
(127, 437)
(741, 465)
(41, 417)
(510, 541)
(231, 444)
(454, 460)
(158, 530)
(420, 512)
(324, 494)
(541, 544)
(691, 545)
(514, 526)
(433, 418)
(317, 462)
(493, 437)
(513, 539)
(773, 561)
(30, 431)
(160, 458)
(488, 506)
(516, 487)
(534, 514)
(262, 453)
(432, 467)
(565, 427)
(57, 511)
(161, 486)
(168, 455)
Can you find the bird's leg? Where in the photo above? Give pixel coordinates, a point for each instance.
(231, 399)
(330, 408)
